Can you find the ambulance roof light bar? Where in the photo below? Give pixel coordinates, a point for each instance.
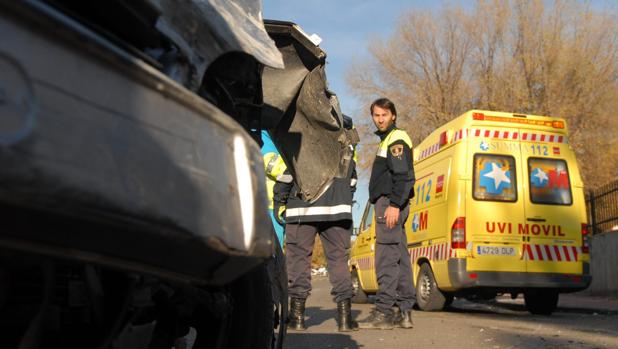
(478, 116)
(522, 119)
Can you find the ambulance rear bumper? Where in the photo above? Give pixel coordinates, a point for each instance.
(461, 278)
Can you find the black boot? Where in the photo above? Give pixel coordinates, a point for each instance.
(344, 317)
(402, 319)
(377, 320)
(296, 319)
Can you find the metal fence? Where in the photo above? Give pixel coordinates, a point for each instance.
(602, 206)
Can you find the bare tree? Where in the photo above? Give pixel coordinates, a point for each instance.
(527, 56)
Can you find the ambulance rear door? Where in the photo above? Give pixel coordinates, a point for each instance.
(552, 225)
(495, 203)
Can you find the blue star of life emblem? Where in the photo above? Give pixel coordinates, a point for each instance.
(539, 178)
(494, 178)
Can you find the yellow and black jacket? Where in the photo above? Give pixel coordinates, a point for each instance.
(392, 174)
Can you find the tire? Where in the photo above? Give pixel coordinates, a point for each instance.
(360, 297)
(252, 312)
(541, 301)
(428, 296)
(255, 310)
(260, 307)
(278, 276)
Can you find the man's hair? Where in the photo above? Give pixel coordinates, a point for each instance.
(383, 103)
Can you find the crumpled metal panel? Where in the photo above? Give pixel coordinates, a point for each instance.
(305, 115)
(206, 29)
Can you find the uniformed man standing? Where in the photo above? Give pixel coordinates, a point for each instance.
(330, 217)
(390, 189)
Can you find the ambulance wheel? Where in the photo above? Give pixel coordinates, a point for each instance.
(428, 296)
(541, 302)
(360, 297)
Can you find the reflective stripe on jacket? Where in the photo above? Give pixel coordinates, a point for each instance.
(334, 205)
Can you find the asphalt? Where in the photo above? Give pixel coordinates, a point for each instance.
(581, 321)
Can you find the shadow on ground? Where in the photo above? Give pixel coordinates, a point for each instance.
(490, 307)
(563, 332)
(315, 316)
(304, 340)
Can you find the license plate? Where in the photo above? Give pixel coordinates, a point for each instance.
(496, 250)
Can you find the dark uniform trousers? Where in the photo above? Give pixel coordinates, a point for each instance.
(392, 261)
(300, 238)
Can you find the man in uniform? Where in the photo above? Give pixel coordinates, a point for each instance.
(330, 216)
(390, 189)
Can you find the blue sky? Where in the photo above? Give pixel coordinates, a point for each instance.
(345, 27)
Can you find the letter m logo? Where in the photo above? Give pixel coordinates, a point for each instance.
(423, 221)
(558, 179)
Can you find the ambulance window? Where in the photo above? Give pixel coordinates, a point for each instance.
(494, 178)
(549, 182)
(368, 218)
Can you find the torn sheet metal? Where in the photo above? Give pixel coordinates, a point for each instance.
(304, 114)
(205, 29)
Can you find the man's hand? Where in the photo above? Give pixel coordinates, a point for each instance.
(391, 216)
(278, 210)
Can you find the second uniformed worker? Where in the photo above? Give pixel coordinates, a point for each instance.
(390, 189)
(330, 217)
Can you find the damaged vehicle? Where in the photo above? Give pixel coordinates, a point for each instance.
(131, 182)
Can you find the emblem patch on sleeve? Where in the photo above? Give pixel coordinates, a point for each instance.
(396, 150)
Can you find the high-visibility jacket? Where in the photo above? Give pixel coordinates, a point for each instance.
(392, 174)
(274, 167)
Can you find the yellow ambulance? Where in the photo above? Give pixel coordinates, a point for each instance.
(499, 208)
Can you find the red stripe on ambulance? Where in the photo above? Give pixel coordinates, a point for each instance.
(534, 252)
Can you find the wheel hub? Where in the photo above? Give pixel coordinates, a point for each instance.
(425, 287)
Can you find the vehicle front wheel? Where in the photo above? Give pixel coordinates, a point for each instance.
(541, 302)
(428, 296)
(360, 297)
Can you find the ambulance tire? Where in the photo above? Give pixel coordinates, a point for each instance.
(360, 297)
(541, 302)
(428, 296)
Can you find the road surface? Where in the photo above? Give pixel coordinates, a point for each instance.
(500, 324)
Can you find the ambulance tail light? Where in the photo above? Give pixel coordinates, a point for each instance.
(458, 233)
(585, 238)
